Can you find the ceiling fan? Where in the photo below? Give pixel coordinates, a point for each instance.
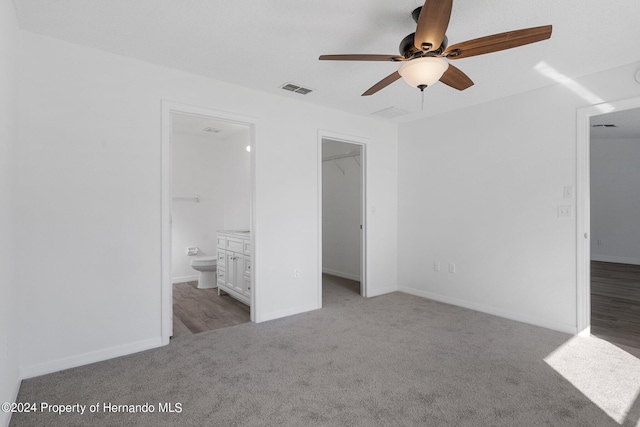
(425, 53)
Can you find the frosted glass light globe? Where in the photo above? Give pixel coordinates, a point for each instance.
(423, 71)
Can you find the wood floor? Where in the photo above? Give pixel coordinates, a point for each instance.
(199, 310)
(615, 302)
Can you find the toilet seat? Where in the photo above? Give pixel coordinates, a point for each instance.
(207, 267)
(206, 261)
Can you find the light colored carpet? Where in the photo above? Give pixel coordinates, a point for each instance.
(385, 361)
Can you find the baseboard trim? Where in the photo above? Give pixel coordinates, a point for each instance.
(561, 327)
(615, 259)
(183, 279)
(285, 313)
(377, 292)
(87, 358)
(341, 274)
(5, 417)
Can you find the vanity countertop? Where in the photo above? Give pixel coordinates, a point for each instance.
(239, 233)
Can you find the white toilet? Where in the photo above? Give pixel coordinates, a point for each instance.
(207, 268)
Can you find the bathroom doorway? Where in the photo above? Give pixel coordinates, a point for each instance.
(343, 221)
(615, 226)
(207, 214)
(605, 186)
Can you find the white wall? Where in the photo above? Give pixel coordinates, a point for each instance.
(198, 169)
(90, 196)
(341, 212)
(9, 309)
(615, 200)
(481, 189)
(217, 170)
(237, 182)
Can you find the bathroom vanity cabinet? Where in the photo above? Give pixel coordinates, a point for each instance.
(234, 264)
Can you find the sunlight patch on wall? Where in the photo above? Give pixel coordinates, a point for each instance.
(604, 373)
(593, 99)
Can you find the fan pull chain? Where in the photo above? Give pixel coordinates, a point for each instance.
(422, 87)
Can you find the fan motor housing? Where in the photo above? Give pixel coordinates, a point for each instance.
(407, 45)
(416, 14)
(409, 50)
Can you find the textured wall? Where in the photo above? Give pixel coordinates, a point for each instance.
(198, 169)
(615, 200)
(9, 308)
(481, 189)
(90, 125)
(341, 213)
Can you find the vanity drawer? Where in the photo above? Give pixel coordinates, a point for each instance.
(234, 245)
(221, 276)
(222, 242)
(247, 266)
(247, 287)
(222, 258)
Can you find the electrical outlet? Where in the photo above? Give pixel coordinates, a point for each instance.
(436, 266)
(452, 268)
(600, 242)
(296, 274)
(565, 211)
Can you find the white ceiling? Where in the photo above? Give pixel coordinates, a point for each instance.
(262, 44)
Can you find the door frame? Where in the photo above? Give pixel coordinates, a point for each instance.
(168, 109)
(362, 142)
(583, 205)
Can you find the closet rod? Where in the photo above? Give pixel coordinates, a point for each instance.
(340, 156)
(187, 198)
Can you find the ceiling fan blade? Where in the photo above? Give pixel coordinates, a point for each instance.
(456, 79)
(498, 42)
(361, 57)
(382, 84)
(432, 24)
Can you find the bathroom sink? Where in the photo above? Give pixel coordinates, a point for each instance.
(244, 232)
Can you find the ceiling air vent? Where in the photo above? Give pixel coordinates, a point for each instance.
(295, 88)
(390, 113)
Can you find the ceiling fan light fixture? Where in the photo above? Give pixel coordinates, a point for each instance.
(423, 71)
